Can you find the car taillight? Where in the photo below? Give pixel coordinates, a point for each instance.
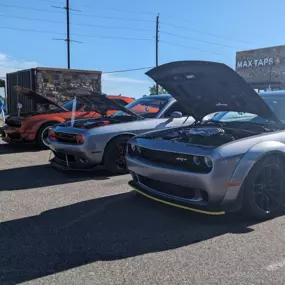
(79, 139)
(51, 135)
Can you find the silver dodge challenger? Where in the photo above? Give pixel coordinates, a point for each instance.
(92, 143)
(234, 161)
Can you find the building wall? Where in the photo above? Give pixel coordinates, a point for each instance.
(263, 67)
(58, 85)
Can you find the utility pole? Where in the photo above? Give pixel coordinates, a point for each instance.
(67, 40)
(67, 33)
(156, 46)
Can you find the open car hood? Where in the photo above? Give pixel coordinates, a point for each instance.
(203, 87)
(100, 102)
(36, 97)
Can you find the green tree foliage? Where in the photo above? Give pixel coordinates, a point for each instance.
(152, 90)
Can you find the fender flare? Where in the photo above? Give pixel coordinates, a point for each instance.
(40, 123)
(129, 134)
(45, 123)
(245, 164)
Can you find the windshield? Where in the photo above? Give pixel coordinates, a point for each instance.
(68, 105)
(146, 107)
(276, 104)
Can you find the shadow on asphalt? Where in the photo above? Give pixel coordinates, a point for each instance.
(6, 148)
(105, 229)
(30, 177)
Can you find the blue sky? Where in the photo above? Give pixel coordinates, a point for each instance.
(201, 30)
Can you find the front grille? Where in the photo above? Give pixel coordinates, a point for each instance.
(14, 124)
(14, 136)
(62, 137)
(168, 188)
(174, 160)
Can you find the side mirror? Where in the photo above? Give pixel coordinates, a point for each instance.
(176, 115)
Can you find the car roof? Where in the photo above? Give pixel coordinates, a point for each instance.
(160, 96)
(279, 93)
(126, 98)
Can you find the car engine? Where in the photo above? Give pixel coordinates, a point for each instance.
(204, 136)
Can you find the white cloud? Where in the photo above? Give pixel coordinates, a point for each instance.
(127, 86)
(10, 64)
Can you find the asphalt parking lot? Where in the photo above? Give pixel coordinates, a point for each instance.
(90, 228)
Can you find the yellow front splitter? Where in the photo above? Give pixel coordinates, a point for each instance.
(177, 205)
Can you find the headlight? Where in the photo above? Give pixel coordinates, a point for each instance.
(139, 150)
(51, 134)
(196, 160)
(208, 162)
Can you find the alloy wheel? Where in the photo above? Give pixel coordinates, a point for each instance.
(268, 188)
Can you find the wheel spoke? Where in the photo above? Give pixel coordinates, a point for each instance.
(265, 203)
(267, 173)
(268, 187)
(120, 158)
(258, 188)
(271, 196)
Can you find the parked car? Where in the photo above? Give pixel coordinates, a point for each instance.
(234, 161)
(32, 127)
(102, 142)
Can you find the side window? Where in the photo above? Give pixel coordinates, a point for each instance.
(121, 102)
(175, 107)
(87, 109)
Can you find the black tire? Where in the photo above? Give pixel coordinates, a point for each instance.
(115, 152)
(41, 133)
(264, 189)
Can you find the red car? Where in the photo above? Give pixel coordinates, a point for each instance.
(32, 127)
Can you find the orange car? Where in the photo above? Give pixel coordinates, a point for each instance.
(33, 127)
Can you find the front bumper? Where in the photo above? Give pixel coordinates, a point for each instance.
(14, 135)
(208, 192)
(72, 161)
(174, 202)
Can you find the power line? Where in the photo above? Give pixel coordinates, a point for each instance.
(114, 18)
(205, 33)
(31, 9)
(127, 70)
(76, 14)
(106, 8)
(79, 35)
(188, 47)
(50, 1)
(31, 30)
(32, 19)
(107, 37)
(198, 40)
(113, 28)
(78, 24)
(119, 10)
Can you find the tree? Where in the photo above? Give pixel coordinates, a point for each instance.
(2, 83)
(152, 90)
